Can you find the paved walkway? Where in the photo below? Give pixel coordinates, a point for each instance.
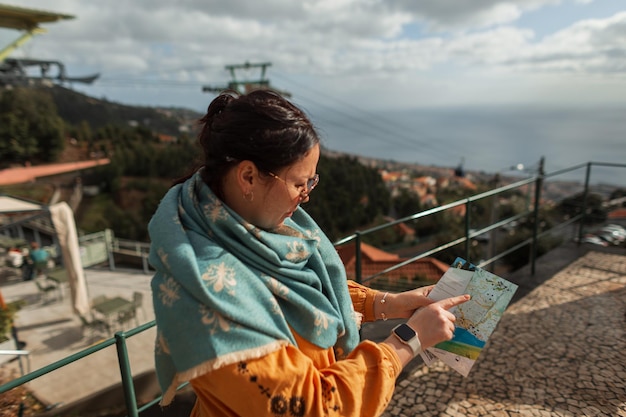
(558, 351)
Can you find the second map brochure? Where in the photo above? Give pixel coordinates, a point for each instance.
(476, 319)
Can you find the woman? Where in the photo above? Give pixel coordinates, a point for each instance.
(251, 299)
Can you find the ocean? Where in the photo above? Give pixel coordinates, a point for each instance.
(486, 139)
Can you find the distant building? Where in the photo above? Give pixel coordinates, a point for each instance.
(465, 182)
(167, 138)
(618, 214)
(407, 232)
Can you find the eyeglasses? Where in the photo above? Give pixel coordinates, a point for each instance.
(311, 183)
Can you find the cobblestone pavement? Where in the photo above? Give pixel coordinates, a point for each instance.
(558, 351)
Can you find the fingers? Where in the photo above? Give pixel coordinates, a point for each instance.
(434, 322)
(448, 332)
(427, 289)
(404, 304)
(448, 303)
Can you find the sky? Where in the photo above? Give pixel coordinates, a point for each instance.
(377, 56)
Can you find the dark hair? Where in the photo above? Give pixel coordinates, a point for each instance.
(261, 126)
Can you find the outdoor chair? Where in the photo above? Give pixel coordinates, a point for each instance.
(131, 314)
(138, 301)
(95, 301)
(47, 289)
(126, 316)
(94, 324)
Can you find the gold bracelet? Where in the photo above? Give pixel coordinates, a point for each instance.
(383, 301)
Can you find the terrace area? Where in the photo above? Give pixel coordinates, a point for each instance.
(558, 350)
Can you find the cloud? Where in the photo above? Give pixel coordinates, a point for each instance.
(351, 46)
(456, 15)
(588, 47)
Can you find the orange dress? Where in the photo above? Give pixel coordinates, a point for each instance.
(304, 380)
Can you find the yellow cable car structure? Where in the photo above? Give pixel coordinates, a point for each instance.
(13, 71)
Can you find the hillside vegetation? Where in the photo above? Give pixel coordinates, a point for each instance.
(43, 125)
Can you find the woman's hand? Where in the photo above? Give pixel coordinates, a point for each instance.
(434, 323)
(402, 305)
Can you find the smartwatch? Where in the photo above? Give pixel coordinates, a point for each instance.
(405, 334)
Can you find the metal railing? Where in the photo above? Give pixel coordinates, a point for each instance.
(532, 213)
(140, 250)
(19, 354)
(537, 181)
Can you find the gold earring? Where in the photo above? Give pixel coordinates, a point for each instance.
(248, 196)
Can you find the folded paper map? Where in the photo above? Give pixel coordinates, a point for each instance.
(476, 319)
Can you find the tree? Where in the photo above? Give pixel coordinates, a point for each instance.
(406, 203)
(594, 212)
(30, 128)
(349, 196)
(16, 145)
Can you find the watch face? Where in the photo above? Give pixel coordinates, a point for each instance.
(405, 332)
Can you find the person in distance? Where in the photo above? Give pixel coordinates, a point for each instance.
(251, 299)
(37, 261)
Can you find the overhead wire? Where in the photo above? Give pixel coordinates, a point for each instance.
(385, 130)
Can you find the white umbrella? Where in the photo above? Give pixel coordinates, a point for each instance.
(65, 226)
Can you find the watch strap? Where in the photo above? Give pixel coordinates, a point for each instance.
(408, 336)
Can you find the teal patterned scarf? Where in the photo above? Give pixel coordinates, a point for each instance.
(225, 290)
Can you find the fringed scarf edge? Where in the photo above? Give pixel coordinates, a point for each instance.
(218, 363)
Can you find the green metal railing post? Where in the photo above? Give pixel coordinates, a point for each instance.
(581, 225)
(468, 204)
(538, 187)
(108, 237)
(357, 265)
(127, 375)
